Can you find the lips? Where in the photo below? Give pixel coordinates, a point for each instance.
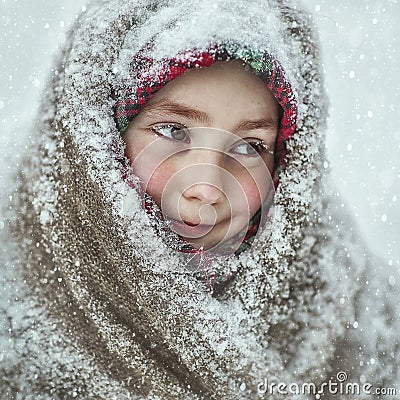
(191, 223)
(190, 229)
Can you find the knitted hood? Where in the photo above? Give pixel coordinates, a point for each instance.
(105, 308)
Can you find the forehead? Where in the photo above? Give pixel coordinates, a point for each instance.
(229, 88)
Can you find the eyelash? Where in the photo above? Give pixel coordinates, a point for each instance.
(257, 144)
(180, 128)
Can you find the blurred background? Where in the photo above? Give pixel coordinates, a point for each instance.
(361, 61)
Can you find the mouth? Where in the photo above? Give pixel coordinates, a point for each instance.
(190, 229)
(191, 223)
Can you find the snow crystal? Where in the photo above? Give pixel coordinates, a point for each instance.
(45, 217)
(392, 280)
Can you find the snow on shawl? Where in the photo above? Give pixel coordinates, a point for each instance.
(96, 305)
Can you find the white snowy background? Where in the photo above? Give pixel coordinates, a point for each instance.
(361, 53)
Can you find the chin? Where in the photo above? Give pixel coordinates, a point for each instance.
(208, 243)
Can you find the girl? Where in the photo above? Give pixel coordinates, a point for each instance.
(150, 261)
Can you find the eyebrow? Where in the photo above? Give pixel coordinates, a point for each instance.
(165, 105)
(264, 123)
(160, 107)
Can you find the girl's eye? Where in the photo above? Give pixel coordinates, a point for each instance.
(253, 148)
(172, 132)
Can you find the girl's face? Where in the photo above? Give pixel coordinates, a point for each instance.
(203, 149)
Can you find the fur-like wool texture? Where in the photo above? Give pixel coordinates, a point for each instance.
(96, 306)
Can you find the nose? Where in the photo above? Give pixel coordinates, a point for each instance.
(206, 181)
(204, 193)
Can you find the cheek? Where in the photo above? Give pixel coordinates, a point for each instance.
(148, 164)
(158, 181)
(255, 188)
(252, 194)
